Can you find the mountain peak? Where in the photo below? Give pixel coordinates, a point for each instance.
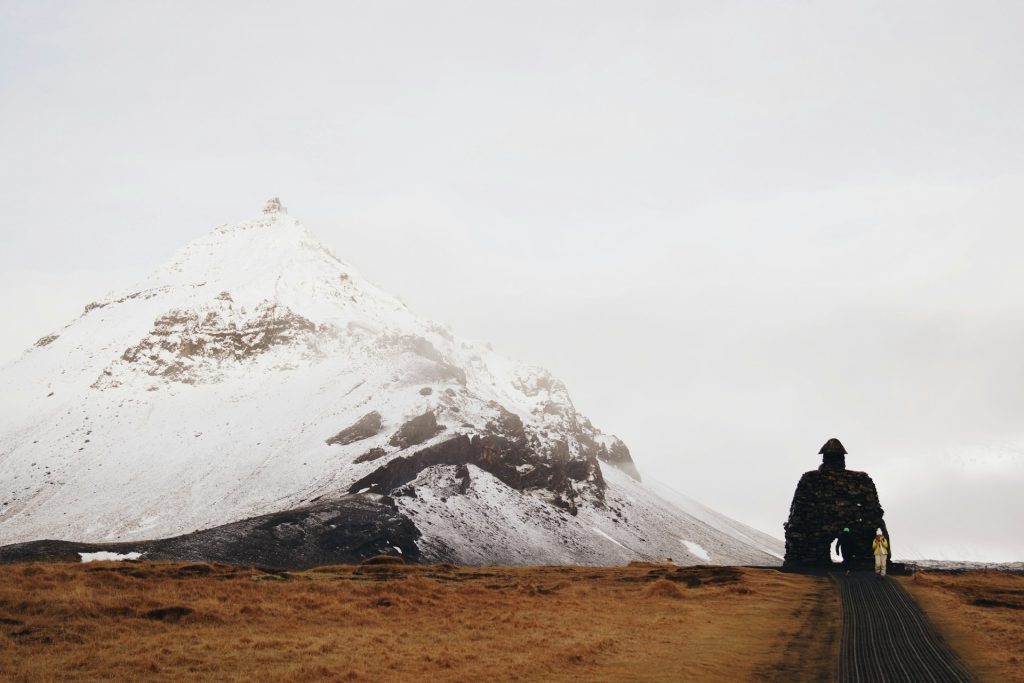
(256, 372)
(274, 206)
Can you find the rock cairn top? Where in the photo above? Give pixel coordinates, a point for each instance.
(833, 455)
(274, 206)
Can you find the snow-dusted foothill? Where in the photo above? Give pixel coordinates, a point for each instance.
(256, 373)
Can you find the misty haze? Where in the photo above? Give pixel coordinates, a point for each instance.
(683, 291)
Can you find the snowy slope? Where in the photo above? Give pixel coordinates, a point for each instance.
(492, 523)
(256, 372)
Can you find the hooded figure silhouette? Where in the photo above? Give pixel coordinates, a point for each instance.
(846, 549)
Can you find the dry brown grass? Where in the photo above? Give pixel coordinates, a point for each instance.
(663, 588)
(172, 622)
(981, 614)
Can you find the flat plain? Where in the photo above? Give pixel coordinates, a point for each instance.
(390, 622)
(157, 621)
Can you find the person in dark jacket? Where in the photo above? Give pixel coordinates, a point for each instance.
(844, 548)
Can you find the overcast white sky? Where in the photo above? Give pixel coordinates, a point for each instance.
(734, 229)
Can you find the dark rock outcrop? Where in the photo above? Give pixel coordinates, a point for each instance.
(827, 500)
(371, 455)
(368, 425)
(416, 430)
(47, 340)
(618, 455)
(505, 449)
(500, 453)
(346, 530)
(464, 477)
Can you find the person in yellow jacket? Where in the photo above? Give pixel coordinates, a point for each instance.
(880, 547)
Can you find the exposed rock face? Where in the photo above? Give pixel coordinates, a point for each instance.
(371, 455)
(507, 456)
(47, 340)
(274, 206)
(555, 408)
(416, 430)
(346, 530)
(563, 471)
(368, 425)
(614, 452)
(827, 500)
(192, 347)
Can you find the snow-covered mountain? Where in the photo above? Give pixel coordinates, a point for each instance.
(256, 372)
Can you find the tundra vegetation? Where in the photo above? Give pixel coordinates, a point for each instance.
(393, 622)
(387, 621)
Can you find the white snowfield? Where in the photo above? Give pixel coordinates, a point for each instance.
(207, 393)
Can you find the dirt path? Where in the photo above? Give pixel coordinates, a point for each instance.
(812, 645)
(886, 637)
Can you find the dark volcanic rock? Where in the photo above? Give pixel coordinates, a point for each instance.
(827, 500)
(55, 551)
(368, 425)
(371, 455)
(510, 459)
(464, 477)
(506, 424)
(619, 456)
(505, 450)
(347, 530)
(416, 430)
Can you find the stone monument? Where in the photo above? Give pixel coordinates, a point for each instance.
(827, 500)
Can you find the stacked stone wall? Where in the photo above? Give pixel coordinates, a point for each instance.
(826, 501)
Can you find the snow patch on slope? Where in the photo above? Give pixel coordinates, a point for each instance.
(106, 556)
(696, 550)
(604, 535)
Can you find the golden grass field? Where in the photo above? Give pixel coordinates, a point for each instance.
(174, 622)
(981, 614)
